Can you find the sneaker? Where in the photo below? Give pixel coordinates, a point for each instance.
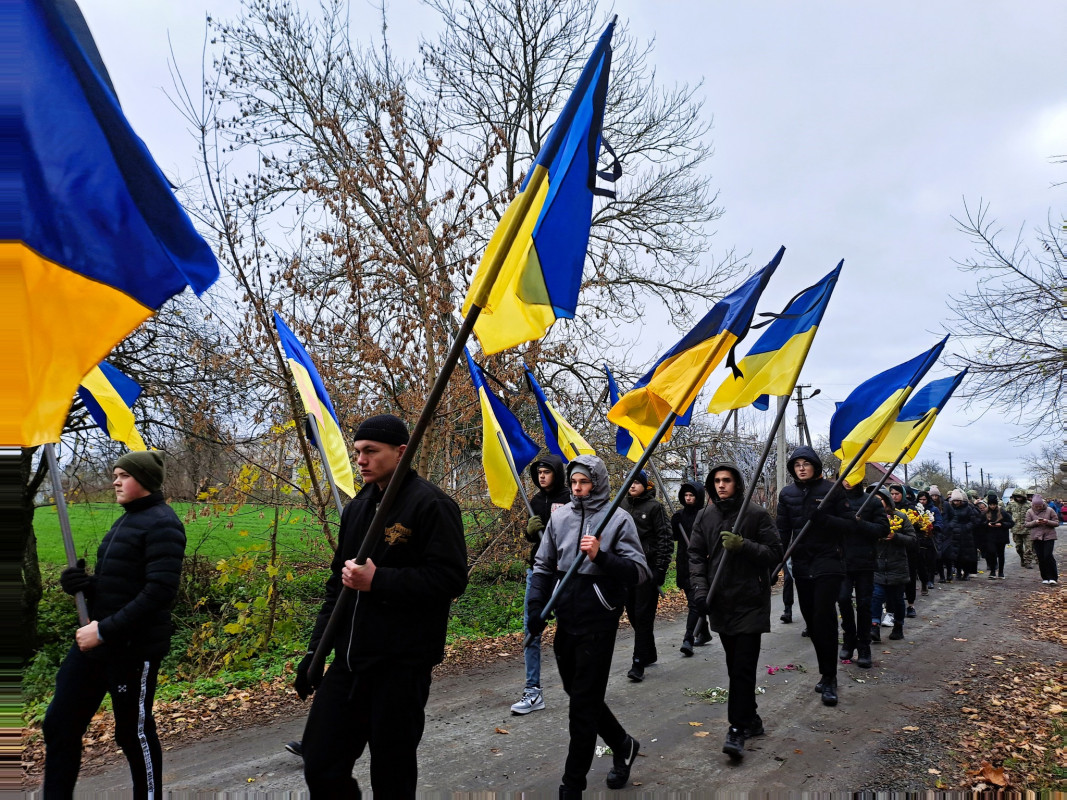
(296, 748)
(734, 746)
(702, 639)
(888, 621)
(992, 577)
(686, 648)
(1000, 577)
(532, 700)
(925, 592)
(787, 616)
(910, 613)
(621, 763)
(754, 728)
(636, 673)
(1046, 582)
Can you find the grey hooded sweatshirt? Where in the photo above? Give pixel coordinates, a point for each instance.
(593, 599)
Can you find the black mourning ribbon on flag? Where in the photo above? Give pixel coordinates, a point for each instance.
(609, 175)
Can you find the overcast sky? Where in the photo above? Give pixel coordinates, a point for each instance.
(841, 130)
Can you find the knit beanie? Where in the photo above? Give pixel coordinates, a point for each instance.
(580, 469)
(146, 467)
(641, 478)
(384, 428)
(934, 491)
(957, 494)
(991, 497)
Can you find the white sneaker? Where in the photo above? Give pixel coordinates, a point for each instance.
(888, 621)
(1046, 582)
(532, 700)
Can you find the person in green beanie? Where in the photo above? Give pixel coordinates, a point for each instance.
(129, 595)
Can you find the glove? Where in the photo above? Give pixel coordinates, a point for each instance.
(75, 579)
(535, 626)
(659, 576)
(534, 528)
(819, 516)
(302, 684)
(732, 541)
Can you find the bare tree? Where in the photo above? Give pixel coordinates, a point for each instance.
(1011, 321)
(1044, 467)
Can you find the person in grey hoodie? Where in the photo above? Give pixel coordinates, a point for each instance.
(588, 609)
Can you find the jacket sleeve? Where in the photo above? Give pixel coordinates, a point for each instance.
(624, 561)
(698, 556)
(164, 549)
(762, 545)
(1031, 519)
(441, 572)
(1006, 521)
(663, 540)
(783, 520)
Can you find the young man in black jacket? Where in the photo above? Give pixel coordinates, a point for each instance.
(691, 498)
(818, 562)
(552, 493)
(740, 611)
(129, 595)
(375, 691)
(642, 600)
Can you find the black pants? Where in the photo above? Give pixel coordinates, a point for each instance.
(584, 661)
(696, 624)
(742, 660)
(641, 602)
(787, 589)
(81, 684)
(913, 574)
(855, 625)
(994, 559)
(818, 603)
(384, 709)
(927, 565)
(1046, 562)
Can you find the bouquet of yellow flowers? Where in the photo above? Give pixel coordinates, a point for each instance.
(922, 521)
(895, 524)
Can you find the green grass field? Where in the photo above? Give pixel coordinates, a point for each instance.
(211, 531)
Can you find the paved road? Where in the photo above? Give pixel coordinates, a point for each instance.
(808, 746)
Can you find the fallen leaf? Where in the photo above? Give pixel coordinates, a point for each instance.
(796, 750)
(988, 773)
(909, 728)
(957, 639)
(967, 710)
(697, 724)
(500, 730)
(1055, 708)
(702, 734)
(933, 771)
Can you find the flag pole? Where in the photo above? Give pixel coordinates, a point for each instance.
(437, 391)
(748, 493)
(822, 504)
(515, 472)
(64, 526)
(907, 446)
(313, 423)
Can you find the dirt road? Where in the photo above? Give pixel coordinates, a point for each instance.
(859, 744)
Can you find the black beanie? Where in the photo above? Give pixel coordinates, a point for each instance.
(146, 467)
(641, 478)
(384, 428)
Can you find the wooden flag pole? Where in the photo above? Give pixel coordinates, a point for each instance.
(907, 446)
(748, 494)
(313, 424)
(64, 526)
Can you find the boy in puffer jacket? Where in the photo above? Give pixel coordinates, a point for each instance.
(588, 610)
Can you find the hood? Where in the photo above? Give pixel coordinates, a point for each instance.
(555, 463)
(1018, 495)
(695, 488)
(738, 478)
(809, 454)
(598, 498)
(1038, 503)
(883, 492)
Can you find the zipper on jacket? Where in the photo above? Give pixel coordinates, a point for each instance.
(603, 602)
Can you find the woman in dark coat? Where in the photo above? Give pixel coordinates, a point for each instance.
(997, 527)
(960, 518)
(691, 499)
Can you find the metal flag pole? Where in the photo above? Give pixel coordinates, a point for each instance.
(64, 526)
(748, 494)
(907, 446)
(515, 472)
(313, 424)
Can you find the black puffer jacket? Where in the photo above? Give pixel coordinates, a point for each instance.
(821, 551)
(544, 503)
(421, 565)
(892, 563)
(653, 530)
(742, 601)
(138, 565)
(859, 536)
(682, 521)
(958, 534)
(998, 534)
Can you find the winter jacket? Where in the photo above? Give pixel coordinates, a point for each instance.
(682, 522)
(653, 530)
(1018, 516)
(821, 551)
(742, 601)
(135, 581)
(420, 566)
(958, 534)
(544, 503)
(592, 599)
(927, 541)
(859, 535)
(1041, 521)
(997, 534)
(891, 565)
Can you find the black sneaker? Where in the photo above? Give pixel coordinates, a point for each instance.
(636, 673)
(911, 613)
(734, 746)
(296, 748)
(686, 648)
(754, 728)
(787, 616)
(621, 763)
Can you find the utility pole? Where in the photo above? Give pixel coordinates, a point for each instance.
(966, 475)
(981, 475)
(951, 477)
(803, 433)
(781, 456)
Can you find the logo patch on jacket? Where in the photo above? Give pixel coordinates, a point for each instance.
(397, 534)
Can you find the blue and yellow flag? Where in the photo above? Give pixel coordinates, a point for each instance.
(504, 442)
(92, 240)
(541, 241)
(317, 404)
(109, 396)
(674, 382)
(869, 411)
(625, 442)
(773, 364)
(915, 420)
(560, 436)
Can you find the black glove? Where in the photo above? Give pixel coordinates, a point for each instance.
(535, 626)
(659, 576)
(819, 516)
(302, 684)
(75, 579)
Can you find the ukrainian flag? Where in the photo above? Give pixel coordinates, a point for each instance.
(915, 420)
(92, 241)
(506, 449)
(317, 404)
(773, 364)
(674, 382)
(625, 443)
(868, 412)
(108, 396)
(560, 437)
(532, 268)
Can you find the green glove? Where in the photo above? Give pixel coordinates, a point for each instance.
(732, 541)
(534, 528)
